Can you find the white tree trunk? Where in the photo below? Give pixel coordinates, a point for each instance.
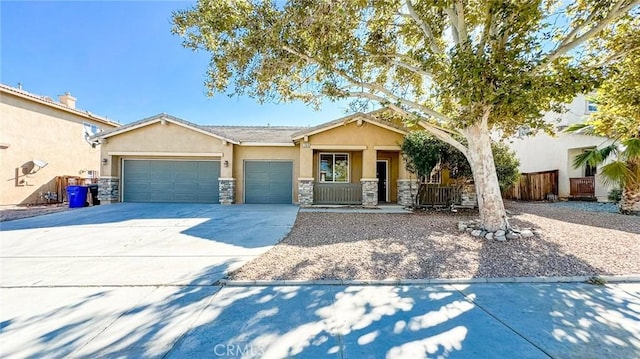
(480, 156)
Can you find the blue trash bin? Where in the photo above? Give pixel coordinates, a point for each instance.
(77, 196)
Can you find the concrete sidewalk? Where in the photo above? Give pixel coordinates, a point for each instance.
(453, 321)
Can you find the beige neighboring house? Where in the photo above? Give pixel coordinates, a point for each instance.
(352, 160)
(542, 153)
(41, 139)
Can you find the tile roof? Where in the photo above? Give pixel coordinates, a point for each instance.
(258, 134)
(160, 116)
(48, 101)
(255, 135)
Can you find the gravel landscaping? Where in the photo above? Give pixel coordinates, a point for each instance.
(568, 242)
(11, 213)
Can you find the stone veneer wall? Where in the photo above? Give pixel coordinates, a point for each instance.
(407, 192)
(305, 192)
(369, 192)
(468, 196)
(109, 189)
(227, 188)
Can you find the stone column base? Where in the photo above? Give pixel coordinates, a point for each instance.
(227, 189)
(407, 192)
(109, 190)
(305, 192)
(369, 192)
(468, 196)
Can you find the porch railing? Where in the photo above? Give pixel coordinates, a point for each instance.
(582, 187)
(437, 196)
(337, 193)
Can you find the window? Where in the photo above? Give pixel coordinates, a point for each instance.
(334, 167)
(589, 171)
(592, 107)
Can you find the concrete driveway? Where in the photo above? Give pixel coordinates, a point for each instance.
(139, 244)
(108, 276)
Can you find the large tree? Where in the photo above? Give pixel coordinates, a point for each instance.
(618, 117)
(463, 67)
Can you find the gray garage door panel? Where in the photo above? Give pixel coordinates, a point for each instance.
(171, 181)
(268, 182)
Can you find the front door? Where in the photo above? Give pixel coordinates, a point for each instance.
(382, 170)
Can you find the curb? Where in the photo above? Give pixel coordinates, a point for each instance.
(435, 281)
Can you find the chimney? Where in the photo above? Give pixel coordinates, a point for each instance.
(68, 100)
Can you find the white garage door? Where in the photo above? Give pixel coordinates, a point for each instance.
(171, 181)
(268, 182)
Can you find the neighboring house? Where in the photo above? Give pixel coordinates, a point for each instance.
(352, 160)
(41, 139)
(542, 153)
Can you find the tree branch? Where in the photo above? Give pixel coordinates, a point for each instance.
(391, 97)
(441, 133)
(426, 29)
(411, 68)
(453, 21)
(487, 31)
(565, 46)
(462, 25)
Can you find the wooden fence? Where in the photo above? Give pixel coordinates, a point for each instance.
(534, 186)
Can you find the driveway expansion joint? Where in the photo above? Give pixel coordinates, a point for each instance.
(471, 300)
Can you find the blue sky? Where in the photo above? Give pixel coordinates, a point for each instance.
(120, 60)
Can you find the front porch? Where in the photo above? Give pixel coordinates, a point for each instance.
(582, 188)
(355, 160)
(346, 176)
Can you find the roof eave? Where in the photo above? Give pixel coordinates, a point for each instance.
(164, 117)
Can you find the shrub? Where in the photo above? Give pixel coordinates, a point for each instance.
(615, 195)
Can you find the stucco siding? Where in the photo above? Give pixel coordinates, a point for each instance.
(351, 134)
(260, 153)
(544, 153)
(156, 137)
(36, 131)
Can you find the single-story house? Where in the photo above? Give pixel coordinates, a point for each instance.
(352, 160)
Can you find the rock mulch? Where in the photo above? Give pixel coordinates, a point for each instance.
(562, 242)
(476, 230)
(11, 213)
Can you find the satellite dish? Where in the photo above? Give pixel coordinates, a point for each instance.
(40, 163)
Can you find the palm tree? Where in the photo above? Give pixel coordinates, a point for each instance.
(622, 168)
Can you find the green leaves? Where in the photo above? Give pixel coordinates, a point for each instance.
(449, 59)
(422, 152)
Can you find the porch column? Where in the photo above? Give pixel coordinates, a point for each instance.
(306, 180)
(226, 182)
(402, 171)
(369, 181)
(109, 189)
